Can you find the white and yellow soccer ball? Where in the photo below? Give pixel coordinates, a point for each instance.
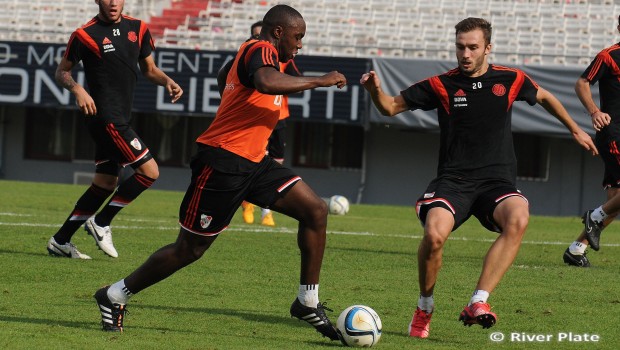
(338, 205)
(359, 326)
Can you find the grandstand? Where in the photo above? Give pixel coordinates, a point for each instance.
(560, 32)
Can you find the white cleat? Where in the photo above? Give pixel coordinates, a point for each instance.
(67, 250)
(102, 236)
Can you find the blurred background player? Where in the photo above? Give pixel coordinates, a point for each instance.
(277, 140)
(110, 46)
(606, 121)
(476, 173)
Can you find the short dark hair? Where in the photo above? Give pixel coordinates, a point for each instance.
(280, 15)
(471, 23)
(256, 24)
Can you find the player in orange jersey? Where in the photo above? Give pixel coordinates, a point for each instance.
(231, 166)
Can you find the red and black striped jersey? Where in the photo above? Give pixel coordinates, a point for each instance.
(110, 54)
(605, 70)
(245, 118)
(474, 119)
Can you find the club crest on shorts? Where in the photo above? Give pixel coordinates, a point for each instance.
(429, 195)
(205, 220)
(135, 143)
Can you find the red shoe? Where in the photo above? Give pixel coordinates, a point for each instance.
(478, 313)
(420, 323)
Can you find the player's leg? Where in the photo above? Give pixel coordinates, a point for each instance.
(104, 182)
(112, 300)
(511, 217)
(438, 224)
(301, 203)
(126, 148)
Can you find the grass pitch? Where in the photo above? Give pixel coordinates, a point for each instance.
(238, 295)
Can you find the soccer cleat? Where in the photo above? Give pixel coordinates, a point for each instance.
(478, 313)
(248, 212)
(316, 317)
(102, 236)
(67, 250)
(576, 260)
(420, 324)
(268, 220)
(112, 315)
(592, 230)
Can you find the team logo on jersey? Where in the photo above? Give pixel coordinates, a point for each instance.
(205, 220)
(107, 45)
(135, 143)
(499, 90)
(132, 36)
(460, 98)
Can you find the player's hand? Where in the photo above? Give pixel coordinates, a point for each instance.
(174, 90)
(85, 102)
(334, 78)
(370, 80)
(585, 141)
(600, 120)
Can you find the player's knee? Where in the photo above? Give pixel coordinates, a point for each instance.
(517, 224)
(434, 239)
(317, 214)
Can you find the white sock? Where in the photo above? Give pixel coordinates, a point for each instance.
(426, 303)
(598, 215)
(118, 293)
(264, 212)
(479, 296)
(577, 248)
(308, 294)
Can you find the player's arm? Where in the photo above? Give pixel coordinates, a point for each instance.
(268, 80)
(555, 108)
(599, 119)
(386, 104)
(82, 98)
(156, 76)
(222, 75)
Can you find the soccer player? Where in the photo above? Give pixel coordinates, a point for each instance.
(277, 140)
(231, 166)
(110, 46)
(606, 122)
(476, 173)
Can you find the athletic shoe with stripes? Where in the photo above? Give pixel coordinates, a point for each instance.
(316, 317)
(102, 236)
(478, 313)
(420, 324)
(112, 315)
(67, 250)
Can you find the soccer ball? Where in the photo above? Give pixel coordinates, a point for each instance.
(338, 205)
(359, 326)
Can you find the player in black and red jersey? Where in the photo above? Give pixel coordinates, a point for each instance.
(110, 46)
(476, 174)
(231, 166)
(606, 121)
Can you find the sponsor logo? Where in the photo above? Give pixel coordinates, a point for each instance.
(460, 99)
(499, 90)
(107, 45)
(132, 36)
(205, 220)
(106, 41)
(135, 143)
(460, 93)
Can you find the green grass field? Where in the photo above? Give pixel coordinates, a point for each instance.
(238, 295)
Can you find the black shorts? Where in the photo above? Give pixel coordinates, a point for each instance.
(465, 198)
(277, 141)
(607, 142)
(221, 180)
(116, 146)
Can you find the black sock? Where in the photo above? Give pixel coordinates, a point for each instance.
(85, 207)
(129, 190)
